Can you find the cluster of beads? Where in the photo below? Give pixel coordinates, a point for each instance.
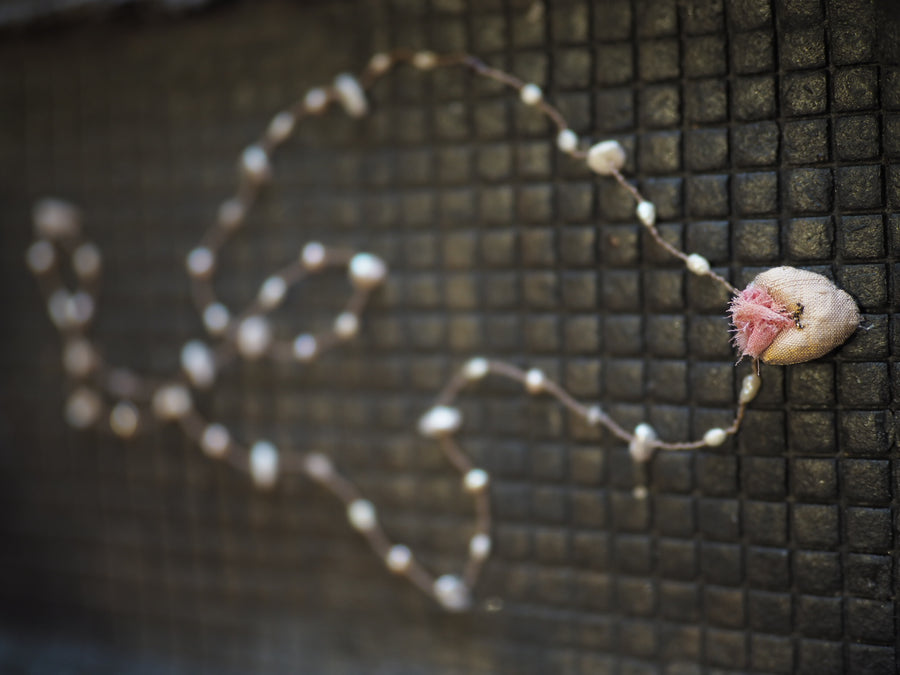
(125, 403)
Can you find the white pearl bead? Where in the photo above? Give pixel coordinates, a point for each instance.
(715, 437)
(172, 401)
(83, 407)
(305, 347)
(593, 415)
(480, 546)
(606, 157)
(315, 100)
(452, 593)
(215, 440)
(313, 256)
(424, 60)
(697, 264)
(56, 219)
(79, 308)
(476, 368)
(535, 381)
(86, 261)
(57, 305)
(231, 213)
(255, 163)
(317, 466)
(475, 480)
(531, 94)
(272, 292)
(79, 357)
(264, 464)
(200, 262)
(640, 492)
(40, 257)
(361, 514)
(198, 363)
(380, 63)
(646, 213)
(216, 318)
(641, 445)
(441, 420)
(254, 336)
(749, 388)
(346, 325)
(398, 558)
(351, 95)
(367, 271)
(124, 419)
(280, 127)
(567, 140)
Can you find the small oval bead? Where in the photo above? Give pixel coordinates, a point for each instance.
(715, 437)
(641, 445)
(351, 95)
(749, 388)
(361, 514)
(124, 419)
(83, 407)
(231, 213)
(424, 60)
(41, 256)
(272, 292)
(200, 262)
(216, 318)
(315, 100)
(398, 558)
(280, 127)
(697, 264)
(215, 440)
(606, 157)
(646, 213)
(264, 464)
(480, 546)
(531, 94)
(346, 325)
(476, 480)
(452, 593)
(313, 256)
(305, 347)
(476, 368)
(567, 140)
(535, 381)
(254, 336)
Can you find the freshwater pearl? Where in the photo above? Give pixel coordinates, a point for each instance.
(281, 127)
(452, 593)
(305, 347)
(198, 363)
(346, 325)
(480, 546)
(40, 256)
(606, 157)
(398, 558)
(313, 256)
(215, 440)
(172, 401)
(367, 271)
(715, 437)
(475, 480)
(535, 381)
(216, 318)
(264, 464)
(272, 292)
(361, 514)
(531, 94)
(79, 357)
(55, 219)
(641, 445)
(476, 368)
(83, 407)
(567, 140)
(255, 163)
(231, 213)
(351, 95)
(697, 264)
(254, 336)
(124, 419)
(318, 467)
(200, 262)
(646, 213)
(441, 420)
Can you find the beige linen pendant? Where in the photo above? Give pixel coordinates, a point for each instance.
(787, 315)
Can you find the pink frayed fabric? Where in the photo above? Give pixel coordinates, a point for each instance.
(758, 319)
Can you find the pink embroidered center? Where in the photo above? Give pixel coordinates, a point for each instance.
(758, 319)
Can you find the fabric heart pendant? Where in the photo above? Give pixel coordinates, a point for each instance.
(787, 315)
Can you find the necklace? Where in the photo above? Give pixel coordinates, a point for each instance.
(784, 316)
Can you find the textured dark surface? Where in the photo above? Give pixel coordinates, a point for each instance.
(765, 133)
